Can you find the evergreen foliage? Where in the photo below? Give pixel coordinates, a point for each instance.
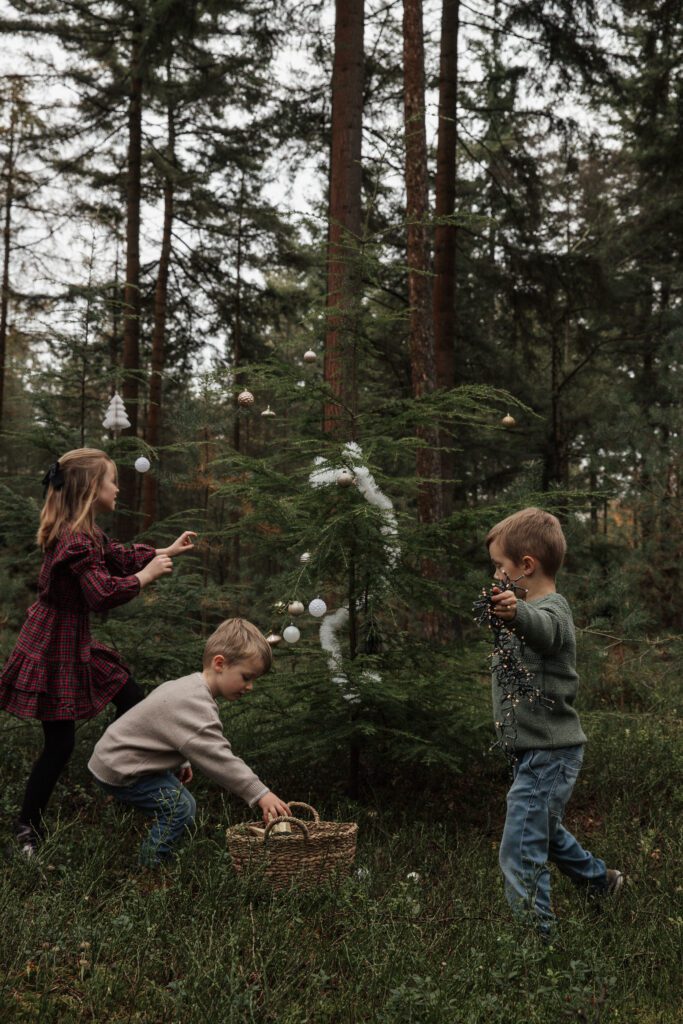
(568, 207)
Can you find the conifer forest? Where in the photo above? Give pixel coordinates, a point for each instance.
(339, 285)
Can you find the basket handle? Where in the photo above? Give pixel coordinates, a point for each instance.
(298, 803)
(285, 817)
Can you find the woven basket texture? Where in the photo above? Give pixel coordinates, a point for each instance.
(312, 853)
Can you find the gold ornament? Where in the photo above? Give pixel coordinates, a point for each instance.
(245, 399)
(268, 412)
(295, 608)
(345, 478)
(273, 639)
(310, 356)
(508, 420)
(279, 606)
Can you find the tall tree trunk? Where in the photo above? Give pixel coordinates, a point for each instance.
(445, 235)
(150, 487)
(131, 293)
(423, 370)
(6, 250)
(344, 216)
(115, 309)
(555, 467)
(237, 356)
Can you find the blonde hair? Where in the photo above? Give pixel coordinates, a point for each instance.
(531, 532)
(72, 506)
(237, 640)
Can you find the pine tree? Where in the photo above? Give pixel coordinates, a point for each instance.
(344, 218)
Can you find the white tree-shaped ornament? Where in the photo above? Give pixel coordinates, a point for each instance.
(116, 418)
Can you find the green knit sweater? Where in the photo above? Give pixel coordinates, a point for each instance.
(546, 630)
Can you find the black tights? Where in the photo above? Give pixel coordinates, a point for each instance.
(58, 748)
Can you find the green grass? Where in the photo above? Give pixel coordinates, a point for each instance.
(88, 936)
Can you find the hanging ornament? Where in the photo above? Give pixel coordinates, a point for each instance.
(116, 417)
(245, 399)
(142, 464)
(310, 356)
(295, 608)
(345, 478)
(291, 634)
(268, 411)
(305, 557)
(279, 606)
(508, 421)
(317, 607)
(273, 639)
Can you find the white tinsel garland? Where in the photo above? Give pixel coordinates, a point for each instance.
(324, 475)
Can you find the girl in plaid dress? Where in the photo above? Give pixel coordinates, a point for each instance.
(57, 673)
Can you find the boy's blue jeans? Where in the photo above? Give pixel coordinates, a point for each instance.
(170, 805)
(534, 834)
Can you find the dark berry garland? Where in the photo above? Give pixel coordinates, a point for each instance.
(511, 674)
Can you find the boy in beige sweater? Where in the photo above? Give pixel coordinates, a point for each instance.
(144, 758)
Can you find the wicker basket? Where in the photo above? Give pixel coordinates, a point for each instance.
(310, 854)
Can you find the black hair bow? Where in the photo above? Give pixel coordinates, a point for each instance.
(53, 478)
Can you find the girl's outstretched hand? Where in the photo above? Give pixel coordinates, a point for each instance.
(160, 565)
(181, 545)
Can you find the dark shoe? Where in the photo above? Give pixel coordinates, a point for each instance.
(28, 840)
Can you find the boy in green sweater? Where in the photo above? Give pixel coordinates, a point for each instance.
(529, 548)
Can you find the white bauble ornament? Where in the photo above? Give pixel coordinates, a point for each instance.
(508, 420)
(305, 557)
(245, 399)
(345, 478)
(142, 464)
(273, 639)
(295, 608)
(310, 356)
(291, 634)
(317, 607)
(268, 411)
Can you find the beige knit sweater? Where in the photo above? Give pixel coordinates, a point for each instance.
(177, 722)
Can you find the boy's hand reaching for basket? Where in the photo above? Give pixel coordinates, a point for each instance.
(272, 807)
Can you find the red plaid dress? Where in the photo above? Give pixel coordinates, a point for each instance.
(56, 670)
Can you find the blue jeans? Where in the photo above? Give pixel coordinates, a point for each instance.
(170, 805)
(534, 834)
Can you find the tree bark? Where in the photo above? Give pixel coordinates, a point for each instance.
(237, 354)
(344, 216)
(423, 368)
(6, 251)
(150, 487)
(556, 465)
(445, 234)
(131, 293)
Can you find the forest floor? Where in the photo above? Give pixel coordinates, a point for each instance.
(88, 936)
